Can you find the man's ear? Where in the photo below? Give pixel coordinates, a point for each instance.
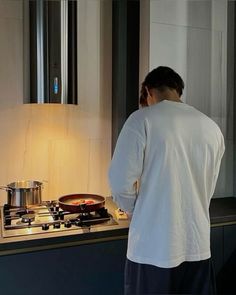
(148, 93)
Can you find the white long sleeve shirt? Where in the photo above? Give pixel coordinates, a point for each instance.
(174, 151)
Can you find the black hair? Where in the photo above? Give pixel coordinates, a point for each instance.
(161, 78)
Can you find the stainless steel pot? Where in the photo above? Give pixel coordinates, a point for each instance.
(23, 193)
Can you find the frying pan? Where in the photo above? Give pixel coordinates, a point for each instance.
(66, 203)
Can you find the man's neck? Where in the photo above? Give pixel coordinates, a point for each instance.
(158, 96)
(170, 95)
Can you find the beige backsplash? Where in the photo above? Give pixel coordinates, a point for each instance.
(68, 148)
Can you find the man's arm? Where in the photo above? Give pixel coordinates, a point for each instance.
(126, 167)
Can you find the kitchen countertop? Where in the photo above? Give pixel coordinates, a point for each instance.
(68, 238)
(222, 212)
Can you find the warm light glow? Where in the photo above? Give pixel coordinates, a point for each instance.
(58, 143)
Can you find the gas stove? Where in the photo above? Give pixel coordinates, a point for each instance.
(49, 217)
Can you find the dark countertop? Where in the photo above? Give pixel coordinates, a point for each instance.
(222, 212)
(61, 239)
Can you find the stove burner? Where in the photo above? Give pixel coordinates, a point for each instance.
(25, 211)
(28, 218)
(49, 217)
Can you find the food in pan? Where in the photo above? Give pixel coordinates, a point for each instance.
(82, 202)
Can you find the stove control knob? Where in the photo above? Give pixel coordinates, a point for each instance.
(6, 207)
(78, 222)
(7, 221)
(6, 212)
(45, 226)
(56, 225)
(61, 215)
(56, 216)
(67, 224)
(51, 208)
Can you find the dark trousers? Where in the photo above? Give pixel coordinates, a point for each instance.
(188, 278)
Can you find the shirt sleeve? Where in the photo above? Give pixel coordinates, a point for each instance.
(126, 167)
(218, 163)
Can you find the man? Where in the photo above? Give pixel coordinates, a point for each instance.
(173, 152)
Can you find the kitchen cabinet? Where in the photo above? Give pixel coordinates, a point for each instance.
(98, 268)
(81, 270)
(226, 275)
(93, 262)
(223, 247)
(229, 243)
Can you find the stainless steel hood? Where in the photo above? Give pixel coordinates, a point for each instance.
(53, 51)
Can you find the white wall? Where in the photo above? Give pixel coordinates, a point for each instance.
(11, 51)
(190, 36)
(69, 146)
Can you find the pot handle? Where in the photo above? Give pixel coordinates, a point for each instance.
(6, 188)
(43, 182)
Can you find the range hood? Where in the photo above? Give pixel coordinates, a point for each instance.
(53, 51)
